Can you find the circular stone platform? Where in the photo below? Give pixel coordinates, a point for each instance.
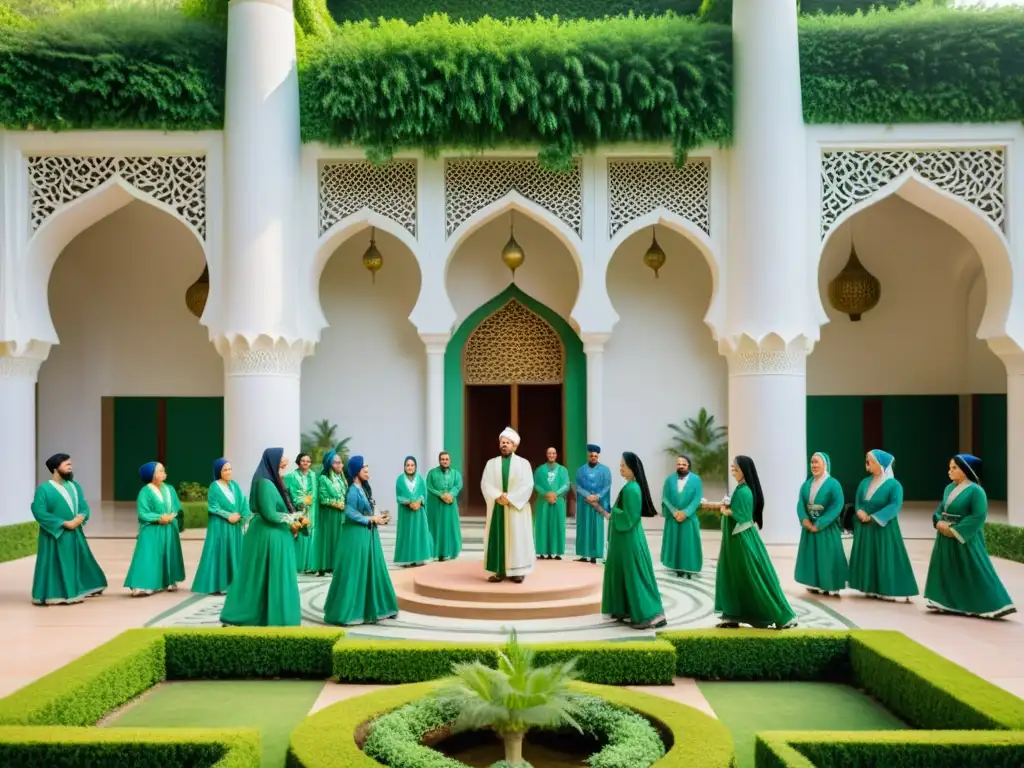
(459, 589)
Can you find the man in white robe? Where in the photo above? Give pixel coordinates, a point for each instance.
(507, 486)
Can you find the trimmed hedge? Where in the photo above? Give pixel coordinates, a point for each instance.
(195, 514)
(18, 540)
(42, 747)
(238, 652)
(1006, 541)
(639, 662)
(471, 10)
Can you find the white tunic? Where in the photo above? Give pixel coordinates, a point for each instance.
(519, 549)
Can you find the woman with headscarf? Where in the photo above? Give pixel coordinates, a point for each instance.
(961, 578)
(265, 591)
(630, 590)
(747, 589)
(222, 550)
(361, 591)
(156, 563)
(879, 564)
(821, 560)
(414, 544)
(681, 549)
(332, 490)
(302, 486)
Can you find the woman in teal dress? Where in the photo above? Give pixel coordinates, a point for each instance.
(330, 512)
(681, 549)
(821, 560)
(156, 563)
(879, 564)
(630, 590)
(961, 578)
(747, 589)
(361, 591)
(222, 550)
(302, 485)
(265, 591)
(414, 544)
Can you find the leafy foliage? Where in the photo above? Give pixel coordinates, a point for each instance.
(1005, 541)
(190, 491)
(18, 540)
(720, 11)
(704, 442)
(471, 10)
(566, 86)
(250, 652)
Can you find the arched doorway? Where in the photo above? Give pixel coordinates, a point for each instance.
(513, 362)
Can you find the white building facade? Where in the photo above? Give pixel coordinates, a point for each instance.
(104, 231)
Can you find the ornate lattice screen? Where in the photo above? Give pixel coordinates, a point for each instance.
(514, 345)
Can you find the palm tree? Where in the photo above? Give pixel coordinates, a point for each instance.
(705, 443)
(321, 440)
(513, 698)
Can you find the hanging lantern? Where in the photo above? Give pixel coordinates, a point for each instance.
(372, 259)
(655, 257)
(854, 290)
(197, 294)
(512, 254)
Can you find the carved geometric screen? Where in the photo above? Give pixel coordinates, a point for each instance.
(514, 346)
(177, 181)
(472, 184)
(976, 176)
(637, 187)
(388, 190)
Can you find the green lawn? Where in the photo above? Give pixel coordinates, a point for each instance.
(275, 707)
(746, 708)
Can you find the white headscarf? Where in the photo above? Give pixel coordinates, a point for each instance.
(511, 434)
(885, 461)
(817, 482)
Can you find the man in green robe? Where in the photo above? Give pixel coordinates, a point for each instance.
(66, 571)
(551, 480)
(680, 499)
(444, 483)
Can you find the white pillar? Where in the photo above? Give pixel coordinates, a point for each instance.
(769, 320)
(593, 348)
(1014, 439)
(436, 344)
(18, 376)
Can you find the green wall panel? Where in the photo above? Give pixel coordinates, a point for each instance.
(135, 442)
(195, 438)
(835, 426)
(990, 445)
(923, 433)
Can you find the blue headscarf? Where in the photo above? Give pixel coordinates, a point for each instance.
(328, 460)
(269, 468)
(593, 448)
(355, 466)
(147, 470)
(970, 466)
(218, 467)
(885, 461)
(416, 464)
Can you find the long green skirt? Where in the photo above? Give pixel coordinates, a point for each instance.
(361, 589)
(549, 528)
(327, 540)
(66, 571)
(156, 563)
(630, 589)
(589, 531)
(962, 579)
(413, 543)
(222, 555)
(446, 531)
(265, 592)
(306, 560)
(747, 589)
(681, 549)
(494, 554)
(879, 564)
(821, 560)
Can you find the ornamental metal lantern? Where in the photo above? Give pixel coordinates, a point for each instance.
(854, 290)
(372, 259)
(512, 254)
(655, 257)
(197, 293)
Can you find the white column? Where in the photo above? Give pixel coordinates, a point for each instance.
(18, 376)
(1014, 438)
(436, 344)
(593, 348)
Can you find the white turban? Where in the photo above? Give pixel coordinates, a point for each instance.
(511, 434)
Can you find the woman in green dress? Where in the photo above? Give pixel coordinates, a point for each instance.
(222, 550)
(361, 591)
(330, 512)
(414, 544)
(551, 480)
(156, 563)
(821, 560)
(961, 578)
(747, 589)
(630, 590)
(681, 549)
(302, 485)
(879, 564)
(265, 591)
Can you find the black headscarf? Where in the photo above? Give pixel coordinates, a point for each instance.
(269, 468)
(637, 468)
(753, 482)
(55, 461)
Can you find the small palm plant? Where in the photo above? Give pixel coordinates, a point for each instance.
(705, 443)
(513, 698)
(322, 439)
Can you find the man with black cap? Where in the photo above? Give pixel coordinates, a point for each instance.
(66, 571)
(593, 500)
